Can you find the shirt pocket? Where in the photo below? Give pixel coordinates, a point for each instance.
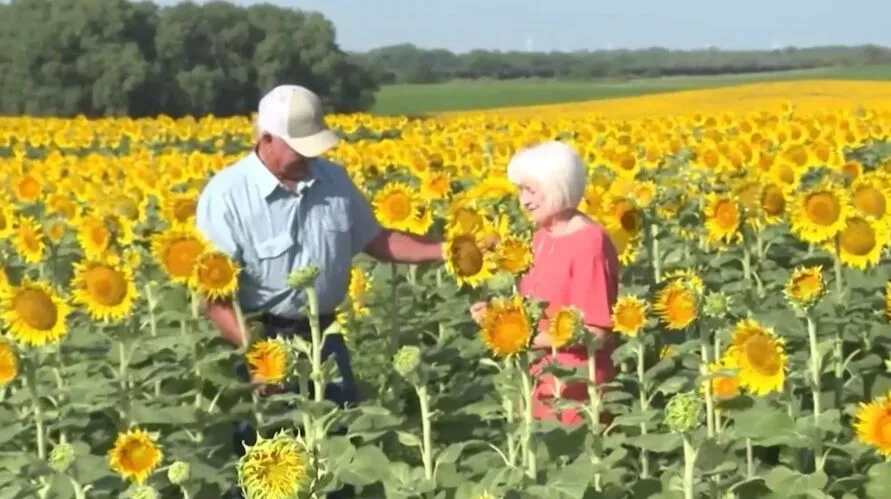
(273, 263)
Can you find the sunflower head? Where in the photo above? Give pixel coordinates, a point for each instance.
(467, 258)
(820, 213)
(277, 467)
(34, 312)
(723, 218)
(269, 361)
(507, 326)
(860, 242)
(723, 384)
(396, 205)
(135, 455)
(105, 288)
(565, 326)
(677, 305)
(872, 423)
(514, 255)
(177, 250)
(215, 275)
(629, 315)
(9, 362)
(805, 287)
(760, 356)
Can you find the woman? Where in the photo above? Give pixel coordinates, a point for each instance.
(574, 263)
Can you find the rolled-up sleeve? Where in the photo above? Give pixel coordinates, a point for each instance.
(363, 225)
(214, 220)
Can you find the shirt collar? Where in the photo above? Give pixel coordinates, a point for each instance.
(268, 183)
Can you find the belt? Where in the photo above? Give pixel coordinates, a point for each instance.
(299, 324)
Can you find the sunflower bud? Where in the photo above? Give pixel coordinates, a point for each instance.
(407, 360)
(303, 277)
(682, 412)
(262, 465)
(178, 472)
(61, 457)
(145, 492)
(717, 304)
(502, 282)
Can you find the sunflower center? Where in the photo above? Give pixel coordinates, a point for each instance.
(628, 216)
(883, 428)
(724, 387)
(181, 256)
(726, 214)
(871, 201)
(630, 317)
(30, 241)
(467, 256)
(106, 286)
(98, 235)
(806, 286)
(762, 356)
(137, 456)
(397, 206)
(3, 222)
(510, 331)
(36, 309)
(858, 238)
(184, 209)
(29, 188)
(823, 208)
(216, 273)
(127, 208)
(772, 201)
(468, 220)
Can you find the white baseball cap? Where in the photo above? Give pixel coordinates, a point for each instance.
(295, 115)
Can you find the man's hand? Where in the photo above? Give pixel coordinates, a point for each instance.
(478, 310)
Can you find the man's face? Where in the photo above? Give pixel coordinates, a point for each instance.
(281, 157)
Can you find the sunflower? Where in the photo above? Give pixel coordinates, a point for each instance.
(465, 218)
(7, 219)
(723, 386)
(56, 231)
(176, 250)
(93, 236)
(627, 245)
(688, 276)
(514, 255)
(435, 185)
(565, 326)
(506, 327)
(178, 208)
(467, 260)
(9, 362)
(860, 243)
(871, 196)
(820, 213)
(888, 300)
(872, 423)
(135, 455)
(805, 286)
(28, 240)
(280, 467)
(722, 219)
(622, 214)
(396, 205)
(28, 188)
(629, 315)
(359, 288)
(676, 305)
(760, 356)
(269, 361)
(215, 275)
(106, 289)
(34, 312)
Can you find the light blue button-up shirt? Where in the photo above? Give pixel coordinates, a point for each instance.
(270, 231)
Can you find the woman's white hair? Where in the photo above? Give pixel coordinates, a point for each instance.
(558, 170)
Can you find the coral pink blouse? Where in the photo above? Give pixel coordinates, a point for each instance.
(579, 269)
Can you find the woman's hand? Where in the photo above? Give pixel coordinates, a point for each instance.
(478, 310)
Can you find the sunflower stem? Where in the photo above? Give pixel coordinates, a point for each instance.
(709, 400)
(312, 299)
(558, 386)
(151, 302)
(594, 400)
(644, 405)
(690, 453)
(185, 492)
(531, 468)
(394, 309)
(816, 369)
(33, 390)
(654, 253)
(750, 459)
(508, 404)
(837, 269)
(427, 441)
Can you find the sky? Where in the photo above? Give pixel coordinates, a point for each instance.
(566, 25)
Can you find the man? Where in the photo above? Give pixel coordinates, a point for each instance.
(281, 208)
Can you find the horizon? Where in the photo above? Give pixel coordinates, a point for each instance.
(528, 25)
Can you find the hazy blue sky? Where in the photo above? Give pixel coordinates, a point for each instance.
(462, 25)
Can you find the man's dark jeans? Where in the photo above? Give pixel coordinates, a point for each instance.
(340, 393)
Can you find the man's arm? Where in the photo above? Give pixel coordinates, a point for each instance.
(222, 316)
(402, 247)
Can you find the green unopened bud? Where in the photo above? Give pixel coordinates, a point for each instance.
(145, 492)
(717, 304)
(303, 277)
(178, 472)
(682, 412)
(502, 282)
(407, 360)
(61, 457)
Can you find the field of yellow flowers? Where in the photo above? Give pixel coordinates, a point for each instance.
(754, 313)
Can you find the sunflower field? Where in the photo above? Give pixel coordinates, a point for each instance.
(752, 323)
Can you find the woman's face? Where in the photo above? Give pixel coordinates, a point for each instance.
(534, 201)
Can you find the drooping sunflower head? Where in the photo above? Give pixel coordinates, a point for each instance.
(279, 467)
(9, 362)
(506, 327)
(677, 305)
(28, 240)
(94, 236)
(34, 312)
(514, 255)
(135, 455)
(805, 286)
(269, 361)
(820, 213)
(215, 275)
(760, 356)
(629, 315)
(723, 218)
(565, 327)
(106, 289)
(860, 242)
(177, 250)
(396, 205)
(467, 258)
(359, 289)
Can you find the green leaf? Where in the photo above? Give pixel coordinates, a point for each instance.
(367, 467)
(788, 483)
(408, 439)
(657, 442)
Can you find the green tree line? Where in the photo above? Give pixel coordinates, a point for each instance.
(114, 57)
(408, 63)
